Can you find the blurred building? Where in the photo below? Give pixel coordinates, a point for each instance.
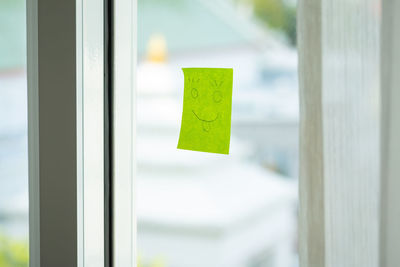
(13, 121)
(206, 33)
(200, 209)
(217, 210)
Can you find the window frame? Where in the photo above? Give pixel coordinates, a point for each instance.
(51, 129)
(58, 113)
(390, 130)
(67, 140)
(124, 132)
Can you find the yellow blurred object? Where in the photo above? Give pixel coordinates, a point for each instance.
(159, 262)
(157, 48)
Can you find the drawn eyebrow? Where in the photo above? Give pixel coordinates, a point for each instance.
(215, 84)
(205, 120)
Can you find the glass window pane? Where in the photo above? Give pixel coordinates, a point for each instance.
(13, 135)
(201, 209)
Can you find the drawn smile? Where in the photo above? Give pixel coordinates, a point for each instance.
(200, 119)
(206, 124)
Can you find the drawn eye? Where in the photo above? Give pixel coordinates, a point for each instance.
(217, 96)
(195, 93)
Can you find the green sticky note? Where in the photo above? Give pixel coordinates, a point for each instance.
(207, 105)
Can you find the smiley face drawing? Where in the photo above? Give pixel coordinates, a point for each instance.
(207, 104)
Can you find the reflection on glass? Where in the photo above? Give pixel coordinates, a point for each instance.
(200, 209)
(13, 135)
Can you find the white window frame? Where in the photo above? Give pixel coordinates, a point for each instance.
(65, 71)
(124, 132)
(66, 137)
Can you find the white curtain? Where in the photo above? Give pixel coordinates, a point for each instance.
(339, 65)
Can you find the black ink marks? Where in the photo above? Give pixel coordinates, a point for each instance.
(215, 84)
(193, 80)
(206, 124)
(216, 117)
(217, 96)
(195, 93)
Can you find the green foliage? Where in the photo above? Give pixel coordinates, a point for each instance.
(13, 253)
(277, 15)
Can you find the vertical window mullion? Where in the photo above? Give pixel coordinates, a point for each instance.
(92, 90)
(66, 132)
(124, 57)
(52, 138)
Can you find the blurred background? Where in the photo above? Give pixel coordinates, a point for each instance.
(194, 209)
(199, 209)
(13, 135)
